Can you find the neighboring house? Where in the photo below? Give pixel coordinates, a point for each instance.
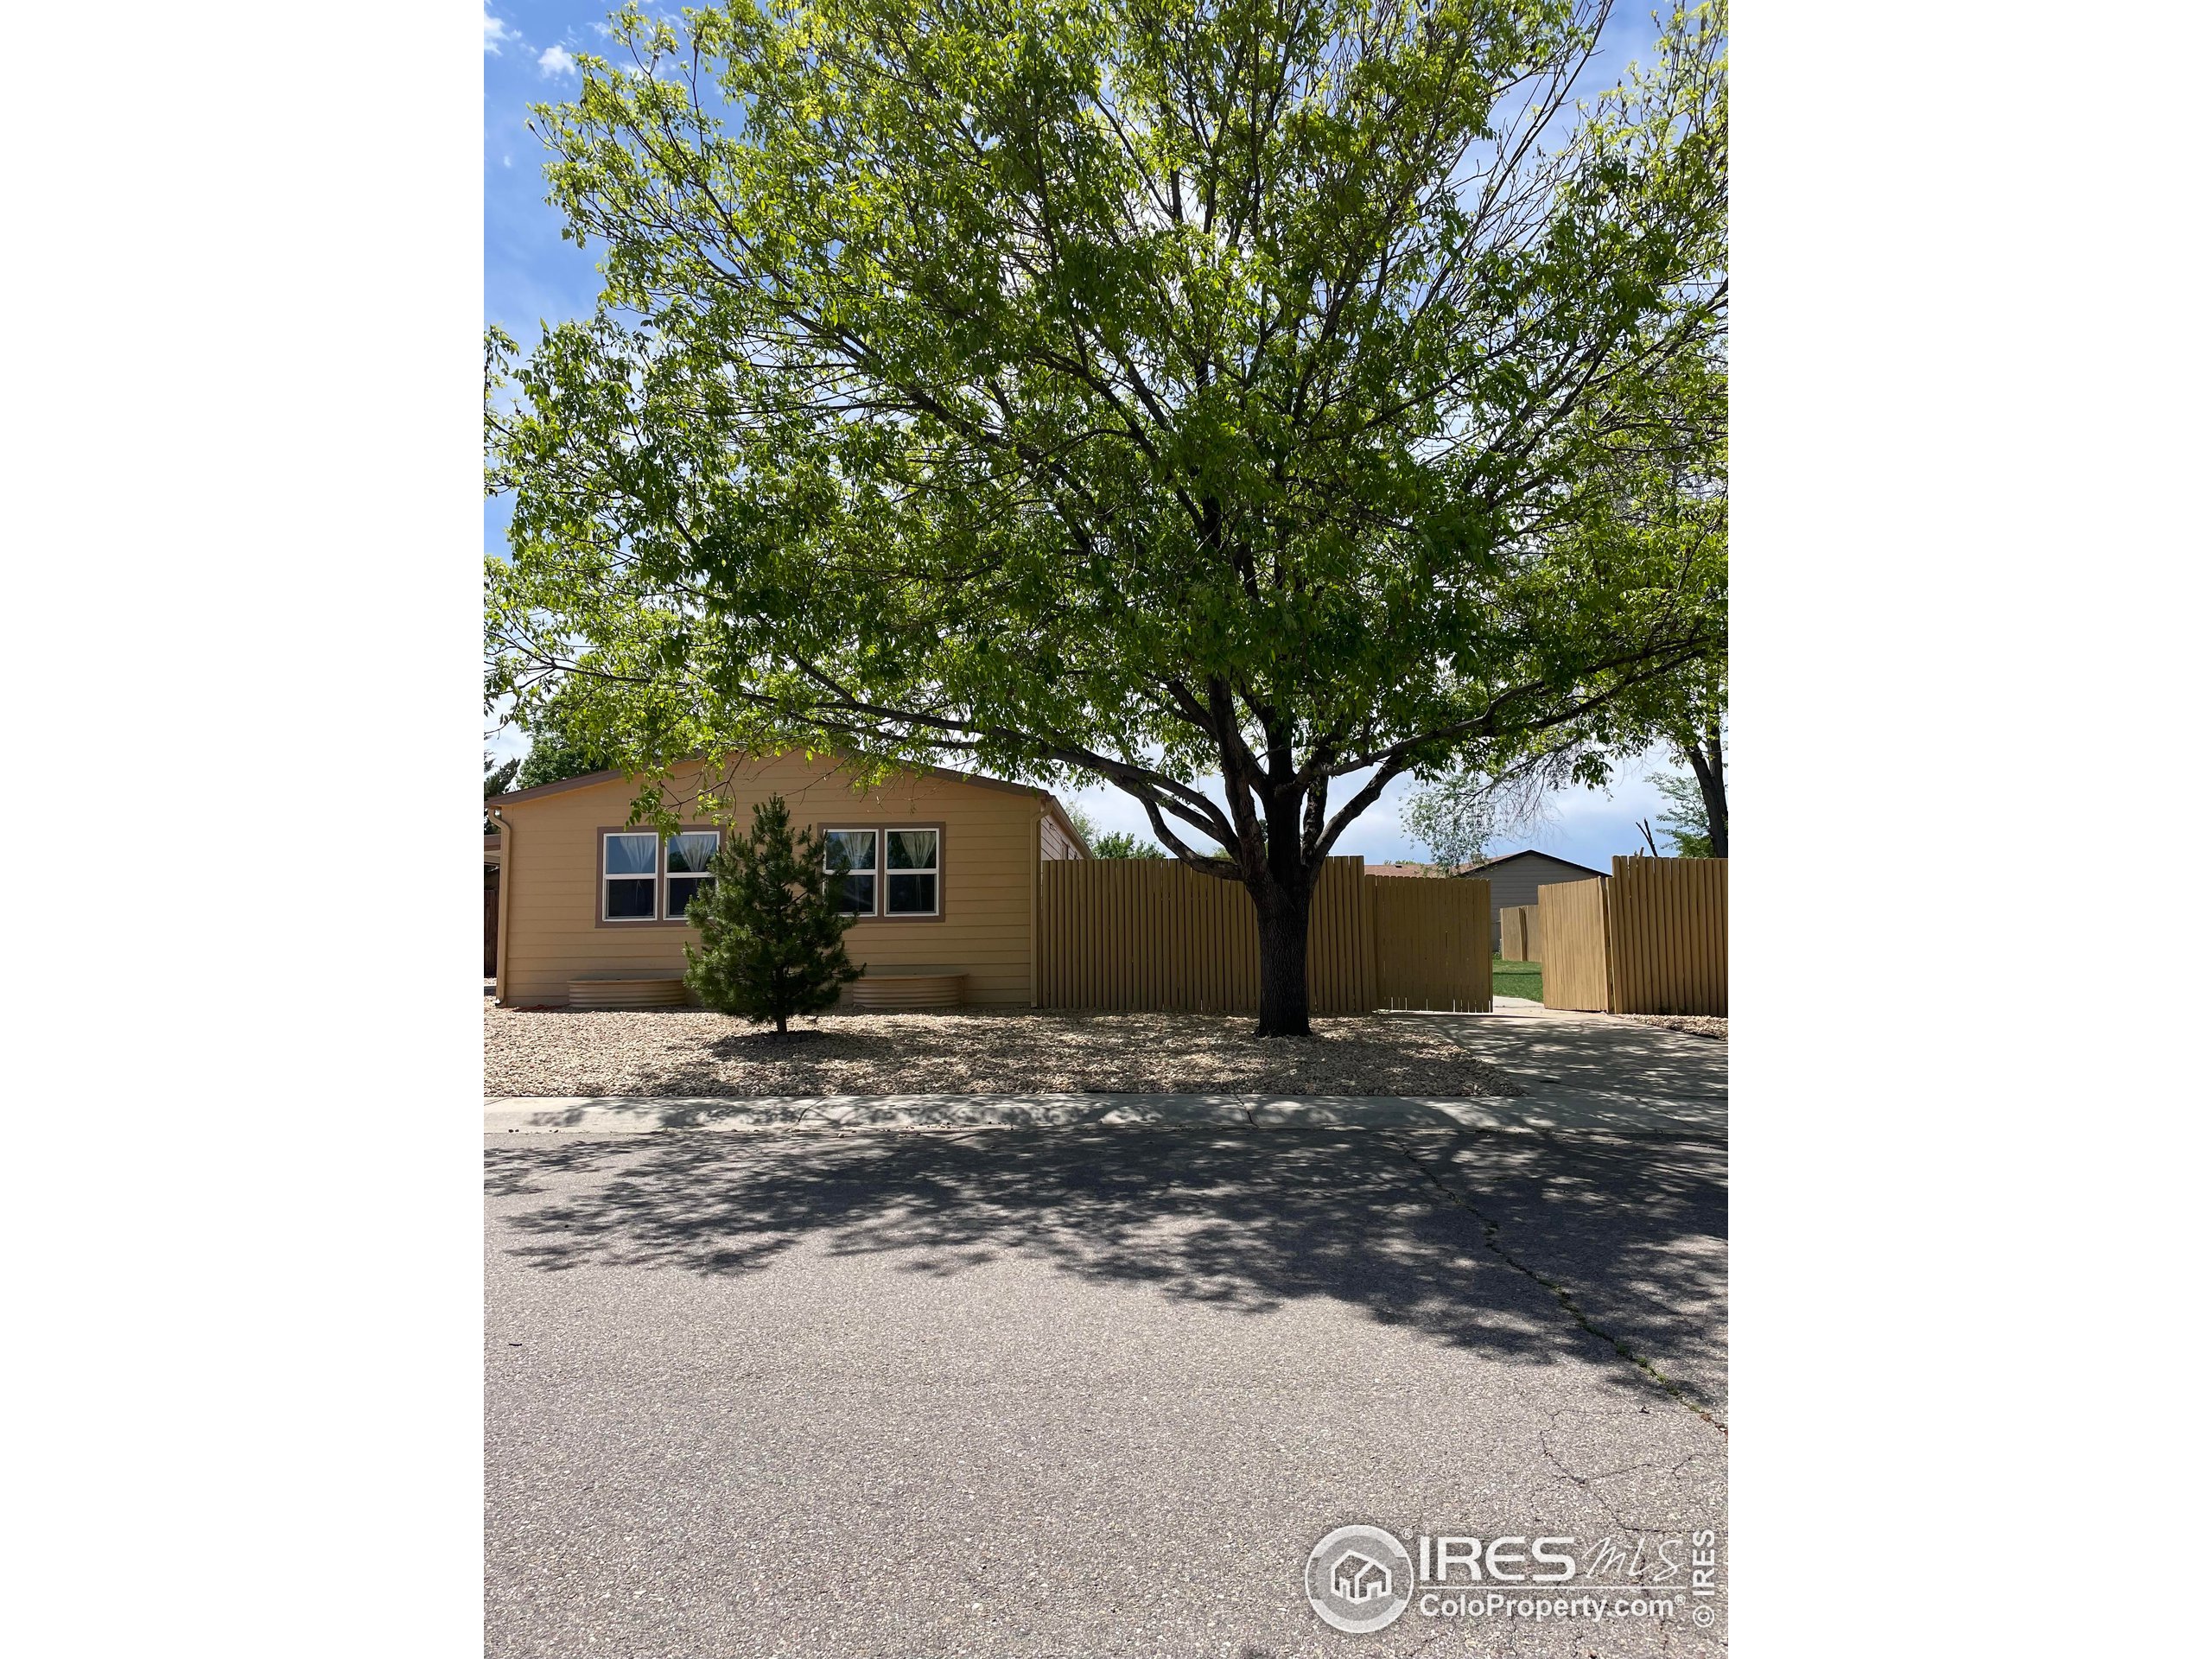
(944, 872)
(491, 905)
(1515, 878)
(1412, 869)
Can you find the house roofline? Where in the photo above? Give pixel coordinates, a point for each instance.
(1060, 813)
(1526, 852)
(592, 779)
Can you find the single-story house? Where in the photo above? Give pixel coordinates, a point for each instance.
(1403, 869)
(1515, 878)
(943, 882)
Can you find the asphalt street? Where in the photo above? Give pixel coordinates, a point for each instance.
(1098, 1389)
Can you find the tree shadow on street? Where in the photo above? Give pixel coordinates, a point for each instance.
(1240, 1221)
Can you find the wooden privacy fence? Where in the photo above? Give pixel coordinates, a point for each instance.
(1432, 942)
(1652, 939)
(1573, 926)
(1519, 938)
(1666, 935)
(1154, 935)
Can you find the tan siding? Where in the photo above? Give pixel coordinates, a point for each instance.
(1056, 841)
(989, 853)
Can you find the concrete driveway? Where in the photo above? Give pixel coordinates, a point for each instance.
(1099, 1388)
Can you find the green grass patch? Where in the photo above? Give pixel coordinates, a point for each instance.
(1517, 979)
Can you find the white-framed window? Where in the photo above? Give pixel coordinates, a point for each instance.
(910, 872)
(860, 847)
(689, 855)
(896, 870)
(629, 876)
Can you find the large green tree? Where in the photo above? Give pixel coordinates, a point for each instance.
(1145, 389)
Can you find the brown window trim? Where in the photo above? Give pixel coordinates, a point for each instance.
(883, 827)
(660, 874)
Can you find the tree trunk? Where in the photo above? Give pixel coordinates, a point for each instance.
(1705, 761)
(1285, 908)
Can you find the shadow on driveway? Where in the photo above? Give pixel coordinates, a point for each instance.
(1537, 1048)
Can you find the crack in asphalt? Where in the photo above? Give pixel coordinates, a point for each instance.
(1544, 1441)
(1587, 1482)
(1493, 1242)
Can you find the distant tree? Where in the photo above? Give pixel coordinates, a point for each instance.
(498, 777)
(1120, 843)
(1110, 843)
(1452, 816)
(554, 757)
(559, 721)
(772, 933)
(1686, 821)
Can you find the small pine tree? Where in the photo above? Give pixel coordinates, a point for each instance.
(772, 937)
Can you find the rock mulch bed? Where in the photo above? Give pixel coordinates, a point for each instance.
(974, 1051)
(1697, 1025)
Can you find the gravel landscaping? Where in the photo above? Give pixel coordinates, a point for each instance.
(976, 1051)
(1697, 1025)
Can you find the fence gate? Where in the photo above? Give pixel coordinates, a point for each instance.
(1573, 925)
(1432, 942)
(1650, 938)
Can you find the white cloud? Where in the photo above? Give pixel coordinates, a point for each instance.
(555, 60)
(495, 31)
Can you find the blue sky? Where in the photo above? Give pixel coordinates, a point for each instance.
(531, 276)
